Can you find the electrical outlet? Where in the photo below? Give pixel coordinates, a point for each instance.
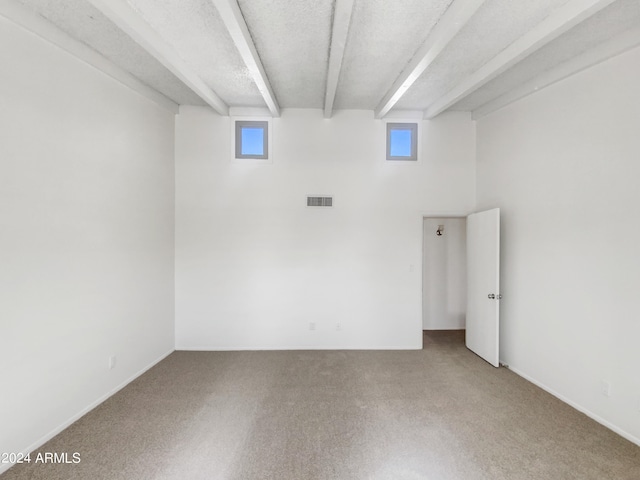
(112, 362)
(605, 388)
(312, 326)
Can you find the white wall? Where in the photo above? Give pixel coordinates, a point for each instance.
(86, 236)
(563, 165)
(444, 274)
(255, 266)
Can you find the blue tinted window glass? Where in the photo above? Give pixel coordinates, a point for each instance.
(252, 141)
(400, 143)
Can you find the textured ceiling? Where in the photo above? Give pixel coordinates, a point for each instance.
(293, 46)
(495, 26)
(383, 37)
(195, 30)
(605, 25)
(82, 21)
(244, 49)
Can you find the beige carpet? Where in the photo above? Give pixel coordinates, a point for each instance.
(440, 413)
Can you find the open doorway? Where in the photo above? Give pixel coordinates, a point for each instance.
(444, 280)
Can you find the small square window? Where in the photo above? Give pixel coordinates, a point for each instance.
(402, 141)
(252, 139)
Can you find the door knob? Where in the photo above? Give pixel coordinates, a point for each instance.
(491, 296)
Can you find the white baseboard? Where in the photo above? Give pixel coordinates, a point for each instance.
(42, 440)
(578, 407)
(209, 348)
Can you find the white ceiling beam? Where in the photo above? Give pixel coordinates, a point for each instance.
(560, 21)
(616, 46)
(129, 21)
(233, 19)
(339, 33)
(37, 24)
(451, 22)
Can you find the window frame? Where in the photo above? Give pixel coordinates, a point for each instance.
(239, 124)
(413, 128)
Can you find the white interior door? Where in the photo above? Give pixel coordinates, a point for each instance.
(483, 284)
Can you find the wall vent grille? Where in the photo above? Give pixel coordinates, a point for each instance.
(313, 201)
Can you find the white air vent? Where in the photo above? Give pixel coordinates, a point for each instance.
(319, 201)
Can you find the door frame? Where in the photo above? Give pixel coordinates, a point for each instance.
(431, 215)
